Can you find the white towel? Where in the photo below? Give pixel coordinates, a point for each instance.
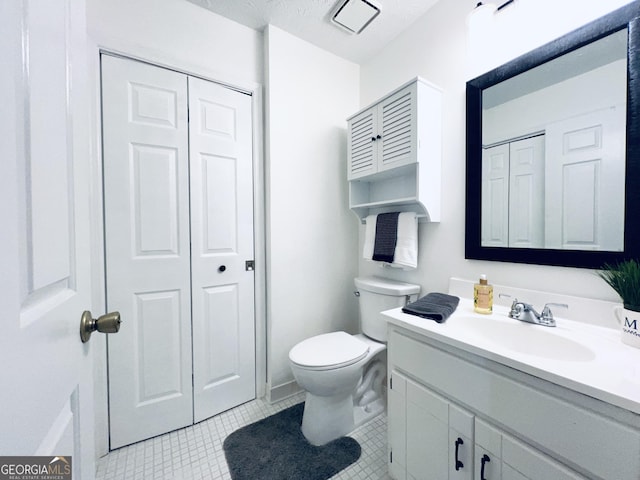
(369, 236)
(406, 252)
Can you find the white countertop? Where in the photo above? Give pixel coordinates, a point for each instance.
(586, 358)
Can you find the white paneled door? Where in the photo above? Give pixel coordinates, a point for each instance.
(146, 192)
(221, 243)
(585, 181)
(178, 231)
(45, 372)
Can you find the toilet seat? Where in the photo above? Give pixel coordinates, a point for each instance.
(328, 351)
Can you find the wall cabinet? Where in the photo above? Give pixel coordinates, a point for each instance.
(394, 153)
(448, 408)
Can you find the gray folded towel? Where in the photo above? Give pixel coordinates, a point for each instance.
(435, 306)
(384, 248)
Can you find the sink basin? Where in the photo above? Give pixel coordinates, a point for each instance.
(526, 338)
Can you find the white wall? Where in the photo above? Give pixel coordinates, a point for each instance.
(312, 237)
(435, 48)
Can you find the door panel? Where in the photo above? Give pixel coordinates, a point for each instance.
(146, 191)
(222, 240)
(44, 255)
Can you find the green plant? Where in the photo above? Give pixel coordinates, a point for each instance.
(624, 278)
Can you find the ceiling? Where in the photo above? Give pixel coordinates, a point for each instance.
(310, 21)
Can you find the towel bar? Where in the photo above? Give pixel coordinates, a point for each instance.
(363, 221)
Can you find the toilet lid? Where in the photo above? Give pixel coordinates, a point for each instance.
(328, 350)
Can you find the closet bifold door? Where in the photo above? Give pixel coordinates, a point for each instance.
(146, 195)
(220, 142)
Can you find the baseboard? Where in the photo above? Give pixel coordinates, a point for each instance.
(286, 390)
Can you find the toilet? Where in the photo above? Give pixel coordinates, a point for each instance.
(343, 374)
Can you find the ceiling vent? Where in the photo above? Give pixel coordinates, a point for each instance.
(354, 15)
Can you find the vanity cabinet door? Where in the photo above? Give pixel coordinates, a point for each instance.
(397, 425)
(488, 452)
(427, 434)
(461, 444)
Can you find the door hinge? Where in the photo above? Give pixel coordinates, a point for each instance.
(250, 265)
(390, 456)
(390, 383)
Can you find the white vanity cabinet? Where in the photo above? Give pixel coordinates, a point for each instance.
(394, 152)
(516, 426)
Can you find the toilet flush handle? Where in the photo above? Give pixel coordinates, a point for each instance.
(356, 293)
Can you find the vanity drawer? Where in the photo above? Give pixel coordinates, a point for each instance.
(581, 438)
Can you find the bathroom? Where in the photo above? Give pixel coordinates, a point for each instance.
(308, 244)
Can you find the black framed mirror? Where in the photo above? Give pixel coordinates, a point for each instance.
(567, 187)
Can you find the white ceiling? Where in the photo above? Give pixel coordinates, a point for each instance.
(310, 20)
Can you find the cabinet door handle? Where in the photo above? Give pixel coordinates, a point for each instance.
(483, 462)
(459, 464)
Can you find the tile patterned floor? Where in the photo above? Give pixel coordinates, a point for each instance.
(195, 453)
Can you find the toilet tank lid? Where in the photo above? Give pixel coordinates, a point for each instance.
(386, 286)
(329, 349)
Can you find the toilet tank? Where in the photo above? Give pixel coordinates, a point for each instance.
(376, 294)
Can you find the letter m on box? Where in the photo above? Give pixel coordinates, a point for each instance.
(630, 324)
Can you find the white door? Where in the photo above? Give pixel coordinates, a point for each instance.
(179, 229)
(585, 181)
(45, 372)
(146, 190)
(526, 193)
(495, 196)
(221, 243)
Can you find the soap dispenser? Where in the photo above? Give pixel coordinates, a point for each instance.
(483, 296)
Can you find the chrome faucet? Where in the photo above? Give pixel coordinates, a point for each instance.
(526, 313)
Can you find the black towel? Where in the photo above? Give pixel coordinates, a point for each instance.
(435, 306)
(384, 247)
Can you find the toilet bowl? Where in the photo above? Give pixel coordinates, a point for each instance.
(344, 374)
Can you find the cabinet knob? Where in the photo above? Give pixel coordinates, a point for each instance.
(378, 137)
(459, 464)
(373, 139)
(222, 268)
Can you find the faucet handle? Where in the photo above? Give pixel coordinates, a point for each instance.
(516, 308)
(547, 315)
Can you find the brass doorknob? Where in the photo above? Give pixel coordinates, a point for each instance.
(107, 323)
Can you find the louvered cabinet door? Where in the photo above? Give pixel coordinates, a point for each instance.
(362, 144)
(398, 119)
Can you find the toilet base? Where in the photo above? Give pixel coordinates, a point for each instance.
(320, 428)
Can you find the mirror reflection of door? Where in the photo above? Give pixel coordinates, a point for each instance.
(513, 194)
(572, 197)
(585, 182)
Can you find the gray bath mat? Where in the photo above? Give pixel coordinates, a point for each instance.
(275, 449)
